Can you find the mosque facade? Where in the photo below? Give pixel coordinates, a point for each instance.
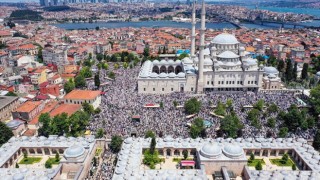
(221, 65)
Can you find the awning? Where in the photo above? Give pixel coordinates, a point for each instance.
(187, 163)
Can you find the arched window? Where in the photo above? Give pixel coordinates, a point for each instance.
(163, 69)
(155, 69)
(178, 69)
(170, 69)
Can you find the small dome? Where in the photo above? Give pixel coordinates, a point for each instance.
(242, 48)
(228, 54)
(74, 151)
(14, 123)
(187, 60)
(250, 62)
(172, 75)
(128, 140)
(163, 75)
(271, 76)
(271, 70)
(225, 38)
(144, 75)
(154, 75)
(181, 75)
(178, 62)
(155, 62)
(232, 151)
(318, 73)
(162, 62)
(207, 61)
(168, 139)
(211, 150)
(18, 176)
(170, 62)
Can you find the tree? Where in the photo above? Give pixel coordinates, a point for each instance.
(294, 167)
(304, 72)
(97, 80)
(116, 66)
(80, 82)
(10, 93)
(99, 57)
(294, 118)
(175, 104)
(253, 114)
(258, 166)
(69, 86)
(125, 65)
(289, 71)
(316, 140)
(17, 165)
(280, 66)
(100, 133)
(94, 161)
(146, 52)
(220, 109)
(230, 125)
(271, 122)
(153, 145)
(88, 108)
(295, 71)
(283, 132)
(161, 104)
(116, 142)
(259, 105)
(185, 154)
(111, 75)
(44, 120)
(149, 134)
(40, 56)
(97, 111)
(57, 157)
(25, 155)
(273, 108)
(48, 164)
(252, 157)
(86, 72)
(315, 99)
(192, 106)
(197, 128)
(183, 55)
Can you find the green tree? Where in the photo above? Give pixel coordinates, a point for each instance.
(175, 103)
(294, 167)
(149, 134)
(69, 86)
(280, 66)
(153, 145)
(78, 123)
(185, 154)
(111, 75)
(258, 166)
(146, 52)
(10, 93)
(289, 71)
(116, 66)
(57, 157)
(273, 108)
(25, 155)
(94, 161)
(197, 128)
(294, 118)
(80, 82)
(315, 99)
(48, 164)
(116, 142)
(252, 157)
(192, 106)
(88, 108)
(86, 72)
(40, 56)
(17, 165)
(253, 114)
(125, 65)
(220, 109)
(97, 80)
(316, 140)
(295, 71)
(183, 55)
(99, 57)
(259, 105)
(230, 125)
(271, 122)
(100, 133)
(283, 132)
(45, 121)
(304, 72)
(59, 124)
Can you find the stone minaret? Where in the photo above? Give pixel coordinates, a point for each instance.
(202, 46)
(193, 29)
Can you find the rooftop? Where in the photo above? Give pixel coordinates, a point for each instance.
(82, 94)
(67, 108)
(5, 100)
(28, 106)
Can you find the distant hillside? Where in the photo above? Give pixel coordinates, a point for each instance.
(57, 8)
(25, 15)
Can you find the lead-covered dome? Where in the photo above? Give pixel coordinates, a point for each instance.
(211, 150)
(225, 38)
(271, 70)
(74, 151)
(233, 151)
(14, 123)
(228, 55)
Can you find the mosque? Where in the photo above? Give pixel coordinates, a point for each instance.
(222, 65)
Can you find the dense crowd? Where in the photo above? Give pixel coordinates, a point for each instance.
(121, 101)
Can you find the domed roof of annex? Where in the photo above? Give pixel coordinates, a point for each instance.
(232, 151)
(74, 151)
(210, 150)
(225, 38)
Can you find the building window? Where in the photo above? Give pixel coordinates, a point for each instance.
(248, 82)
(144, 89)
(191, 89)
(255, 82)
(251, 82)
(218, 82)
(162, 89)
(154, 89)
(212, 82)
(207, 82)
(227, 82)
(238, 82)
(171, 89)
(232, 82)
(222, 82)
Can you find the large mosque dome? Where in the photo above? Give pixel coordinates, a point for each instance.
(225, 38)
(74, 151)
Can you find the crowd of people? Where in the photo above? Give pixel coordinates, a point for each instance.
(121, 101)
